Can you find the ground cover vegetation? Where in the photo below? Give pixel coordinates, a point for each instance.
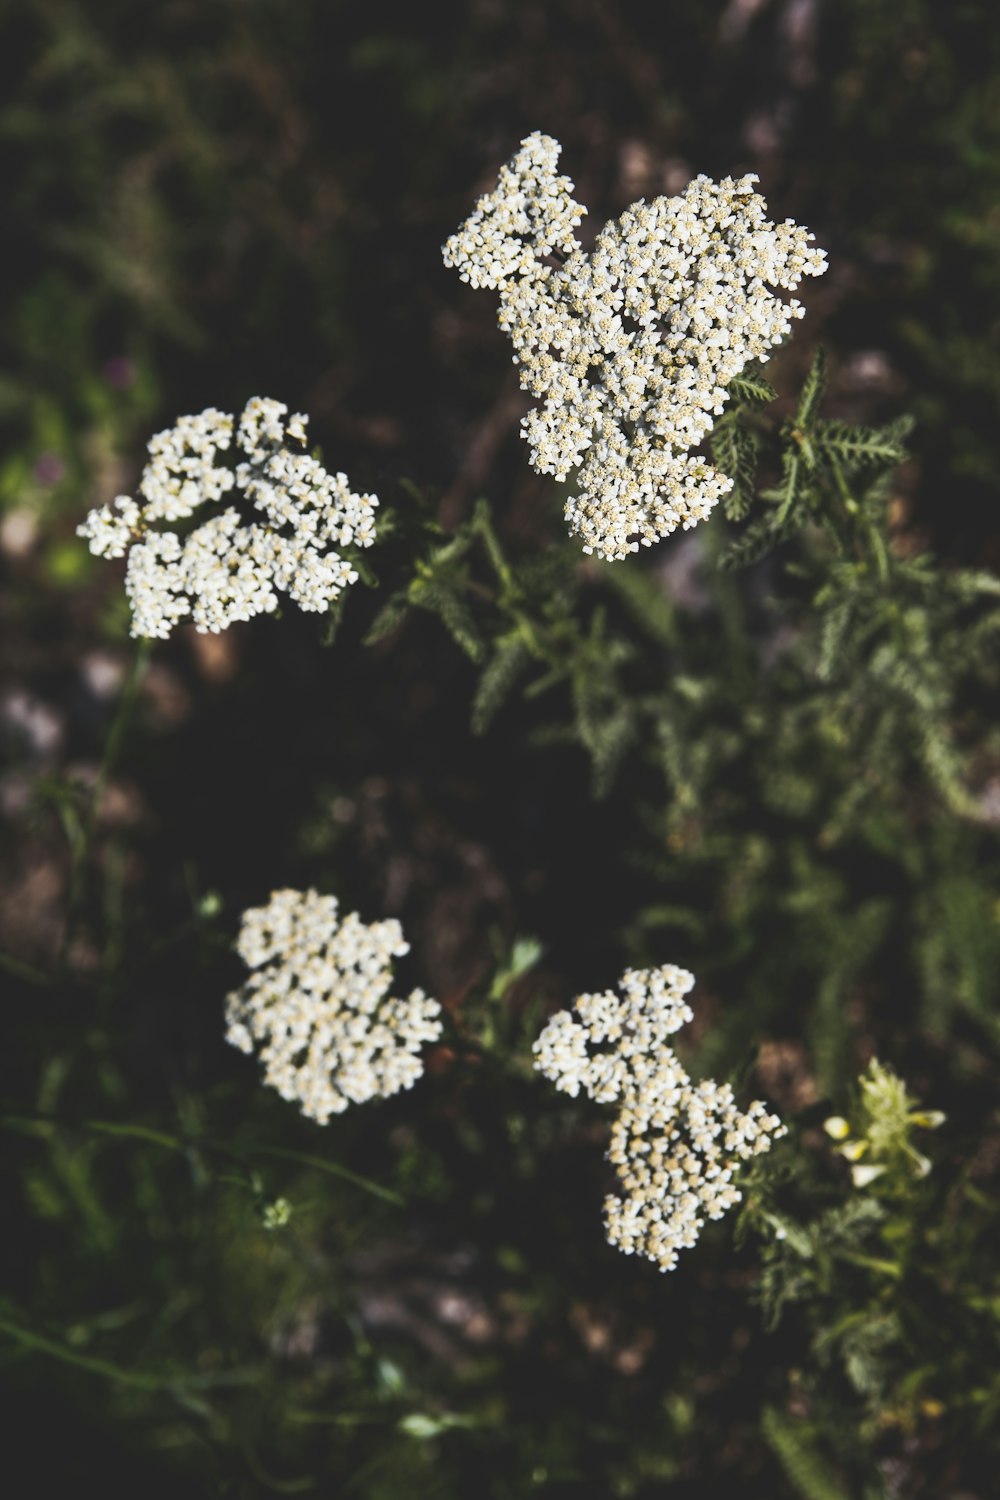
(687, 854)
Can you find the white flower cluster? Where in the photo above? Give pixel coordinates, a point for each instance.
(675, 1144)
(229, 568)
(317, 1005)
(631, 348)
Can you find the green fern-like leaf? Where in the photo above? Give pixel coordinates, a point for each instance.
(610, 741)
(807, 1469)
(501, 673)
(751, 388)
(835, 638)
(812, 392)
(444, 600)
(854, 942)
(758, 539)
(865, 1347)
(958, 950)
(860, 448)
(734, 449)
(791, 490)
(645, 598)
(392, 613)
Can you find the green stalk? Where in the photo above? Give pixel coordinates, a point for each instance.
(112, 748)
(183, 1143)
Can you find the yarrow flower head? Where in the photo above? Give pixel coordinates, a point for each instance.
(630, 349)
(675, 1144)
(317, 1005)
(232, 566)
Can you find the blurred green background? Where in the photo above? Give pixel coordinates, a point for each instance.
(207, 201)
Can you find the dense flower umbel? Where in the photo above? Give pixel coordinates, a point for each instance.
(675, 1144)
(631, 348)
(230, 568)
(316, 1004)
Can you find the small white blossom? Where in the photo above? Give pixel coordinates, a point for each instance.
(232, 566)
(675, 1145)
(631, 349)
(316, 1005)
